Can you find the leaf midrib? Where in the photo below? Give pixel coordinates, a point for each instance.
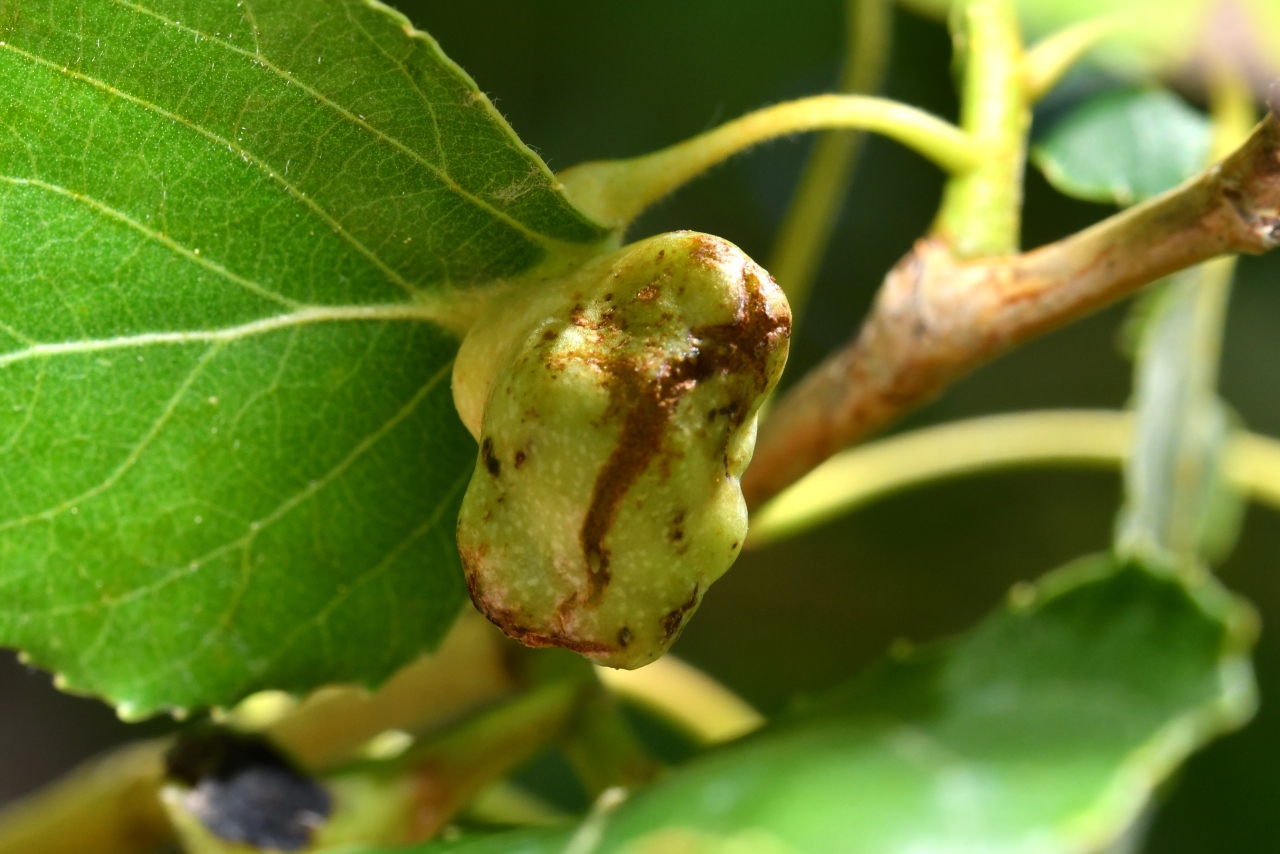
(254, 527)
(422, 312)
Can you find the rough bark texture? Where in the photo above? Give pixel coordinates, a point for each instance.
(937, 318)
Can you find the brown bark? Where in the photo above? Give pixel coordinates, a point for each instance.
(937, 318)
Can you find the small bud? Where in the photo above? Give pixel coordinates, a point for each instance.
(616, 412)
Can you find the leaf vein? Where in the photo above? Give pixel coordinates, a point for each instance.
(246, 541)
(422, 312)
(134, 454)
(328, 218)
(367, 577)
(440, 173)
(151, 234)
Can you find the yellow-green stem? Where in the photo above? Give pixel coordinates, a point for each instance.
(109, 806)
(806, 230)
(1173, 476)
(604, 750)
(616, 191)
(1048, 61)
(981, 209)
(1072, 439)
(686, 698)
(450, 769)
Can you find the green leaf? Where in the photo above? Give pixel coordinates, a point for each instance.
(234, 238)
(1045, 729)
(1125, 146)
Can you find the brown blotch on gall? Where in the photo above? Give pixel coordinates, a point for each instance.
(674, 619)
(490, 461)
(650, 403)
(510, 621)
(520, 458)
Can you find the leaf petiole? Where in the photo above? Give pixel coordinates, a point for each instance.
(1095, 439)
(685, 697)
(615, 192)
(1048, 61)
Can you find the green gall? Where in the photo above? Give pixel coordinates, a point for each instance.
(616, 411)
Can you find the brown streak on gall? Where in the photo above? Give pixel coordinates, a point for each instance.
(510, 621)
(490, 461)
(740, 348)
(674, 620)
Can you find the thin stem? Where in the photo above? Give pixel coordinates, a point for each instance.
(1171, 477)
(450, 769)
(981, 209)
(505, 803)
(685, 697)
(109, 806)
(467, 671)
(615, 191)
(411, 798)
(1174, 503)
(603, 748)
(878, 469)
(806, 230)
(1074, 439)
(936, 318)
(1048, 61)
(112, 805)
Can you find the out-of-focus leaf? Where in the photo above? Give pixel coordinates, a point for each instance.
(1179, 508)
(1045, 729)
(1125, 146)
(1170, 37)
(229, 237)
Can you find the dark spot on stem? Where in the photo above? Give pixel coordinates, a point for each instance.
(624, 637)
(520, 458)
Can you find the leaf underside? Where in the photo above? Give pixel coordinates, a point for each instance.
(1125, 146)
(228, 453)
(1044, 729)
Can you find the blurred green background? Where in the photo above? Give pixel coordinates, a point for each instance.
(581, 79)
